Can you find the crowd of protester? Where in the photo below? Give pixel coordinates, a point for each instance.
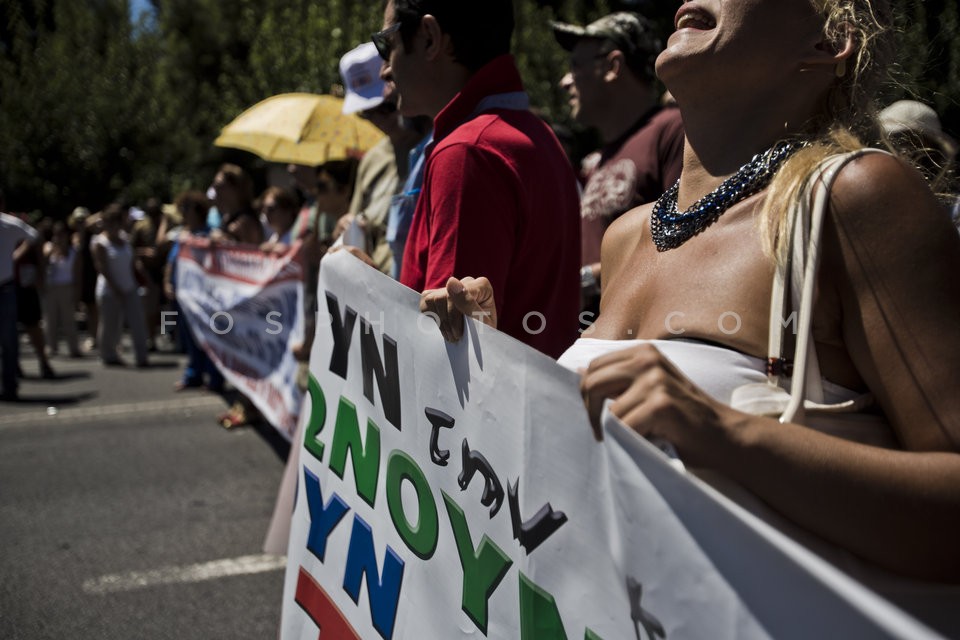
(469, 182)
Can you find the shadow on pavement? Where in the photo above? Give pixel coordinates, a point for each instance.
(163, 364)
(55, 400)
(60, 376)
(273, 438)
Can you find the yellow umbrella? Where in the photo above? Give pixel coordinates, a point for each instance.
(302, 128)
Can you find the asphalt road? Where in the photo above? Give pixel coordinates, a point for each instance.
(128, 513)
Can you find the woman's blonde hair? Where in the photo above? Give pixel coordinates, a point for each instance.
(847, 117)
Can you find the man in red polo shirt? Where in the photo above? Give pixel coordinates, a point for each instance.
(499, 197)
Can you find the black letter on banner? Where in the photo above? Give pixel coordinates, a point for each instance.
(640, 616)
(439, 420)
(342, 334)
(541, 526)
(388, 381)
(474, 461)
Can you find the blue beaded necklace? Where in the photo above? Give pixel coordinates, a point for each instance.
(670, 228)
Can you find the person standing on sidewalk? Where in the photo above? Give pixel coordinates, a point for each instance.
(29, 273)
(60, 293)
(117, 290)
(13, 232)
(194, 207)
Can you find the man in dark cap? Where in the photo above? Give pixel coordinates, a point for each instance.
(612, 87)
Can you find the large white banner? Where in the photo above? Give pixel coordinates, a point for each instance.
(244, 308)
(456, 491)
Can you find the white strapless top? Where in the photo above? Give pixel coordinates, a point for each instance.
(718, 371)
(715, 369)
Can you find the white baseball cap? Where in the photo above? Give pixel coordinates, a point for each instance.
(360, 70)
(920, 119)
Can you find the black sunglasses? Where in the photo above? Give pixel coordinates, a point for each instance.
(381, 40)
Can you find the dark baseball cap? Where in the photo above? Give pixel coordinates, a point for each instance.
(629, 32)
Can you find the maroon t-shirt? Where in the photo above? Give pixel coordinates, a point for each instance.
(633, 170)
(499, 200)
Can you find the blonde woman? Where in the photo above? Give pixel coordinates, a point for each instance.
(768, 90)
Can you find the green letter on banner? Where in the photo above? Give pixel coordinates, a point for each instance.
(483, 568)
(318, 415)
(421, 539)
(365, 459)
(539, 618)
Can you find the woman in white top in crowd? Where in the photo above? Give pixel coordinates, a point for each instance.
(117, 289)
(60, 295)
(785, 84)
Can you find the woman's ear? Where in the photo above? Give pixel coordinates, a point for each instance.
(833, 55)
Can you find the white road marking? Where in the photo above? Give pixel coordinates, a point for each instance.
(244, 565)
(128, 408)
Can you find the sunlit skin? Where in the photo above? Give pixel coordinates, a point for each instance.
(746, 73)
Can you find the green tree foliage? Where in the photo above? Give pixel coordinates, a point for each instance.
(930, 57)
(94, 108)
(71, 84)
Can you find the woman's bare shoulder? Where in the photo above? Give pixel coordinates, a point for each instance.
(895, 256)
(879, 190)
(622, 236)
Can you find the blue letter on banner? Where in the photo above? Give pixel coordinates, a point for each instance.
(323, 519)
(383, 591)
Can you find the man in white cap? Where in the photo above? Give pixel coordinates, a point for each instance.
(915, 130)
(921, 122)
(915, 127)
(384, 167)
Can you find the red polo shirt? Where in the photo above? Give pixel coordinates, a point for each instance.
(499, 200)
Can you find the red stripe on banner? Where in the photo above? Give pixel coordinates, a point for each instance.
(271, 271)
(262, 283)
(321, 609)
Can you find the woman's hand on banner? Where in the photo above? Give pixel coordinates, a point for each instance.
(467, 297)
(652, 397)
